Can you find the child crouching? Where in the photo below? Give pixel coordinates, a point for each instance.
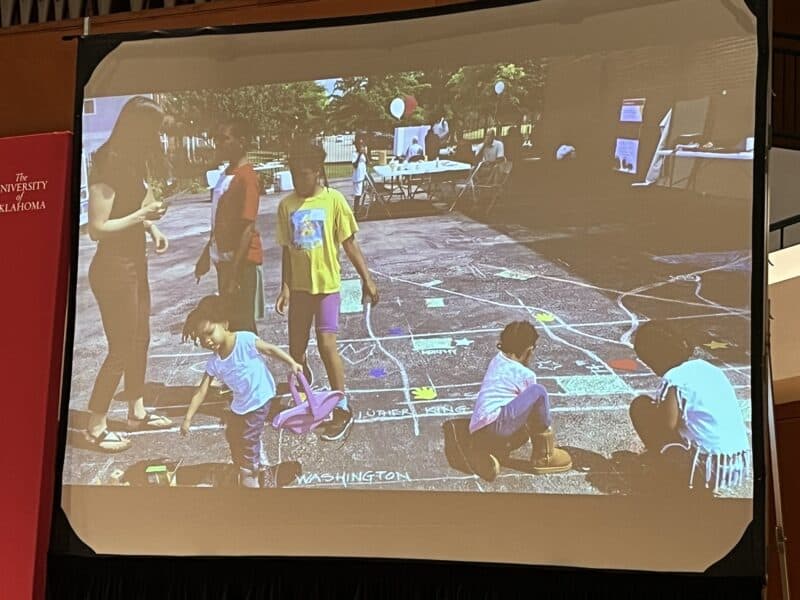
(694, 419)
(512, 408)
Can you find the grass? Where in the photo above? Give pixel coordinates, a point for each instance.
(338, 170)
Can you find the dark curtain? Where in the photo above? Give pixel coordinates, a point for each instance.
(106, 578)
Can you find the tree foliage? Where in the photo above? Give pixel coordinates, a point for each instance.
(276, 112)
(466, 96)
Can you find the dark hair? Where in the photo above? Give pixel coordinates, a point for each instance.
(660, 346)
(517, 337)
(135, 141)
(241, 128)
(212, 309)
(308, 155)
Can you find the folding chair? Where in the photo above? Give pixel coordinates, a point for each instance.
(481, 171)
(497, 188)
(373, 194)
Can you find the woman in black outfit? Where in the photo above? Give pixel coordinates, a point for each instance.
(122, 209)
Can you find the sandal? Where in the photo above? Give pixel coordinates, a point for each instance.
(150, 421)
(107, 441)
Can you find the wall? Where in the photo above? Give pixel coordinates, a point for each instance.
(43, 69)
(784, 181)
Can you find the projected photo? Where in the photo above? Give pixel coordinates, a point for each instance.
(423, 279)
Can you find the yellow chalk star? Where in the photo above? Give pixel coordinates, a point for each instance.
(424, 393)
(715, 345)
(545, 318)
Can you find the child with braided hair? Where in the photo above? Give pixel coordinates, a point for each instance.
(512, 408)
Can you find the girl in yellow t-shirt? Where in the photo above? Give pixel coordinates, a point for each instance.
(313, 222)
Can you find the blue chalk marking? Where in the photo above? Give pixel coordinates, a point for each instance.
(378, 372)
(396, 331)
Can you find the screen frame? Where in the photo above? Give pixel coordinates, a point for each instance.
(94, 48)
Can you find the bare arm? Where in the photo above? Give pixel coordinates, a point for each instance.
(101, 200)
(356, 257)
(671, 408)
(282, 303)
(273, 351)
(198, 399)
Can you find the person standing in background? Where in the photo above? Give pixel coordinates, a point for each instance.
(432, 144)
(360, 161)
(441, 129)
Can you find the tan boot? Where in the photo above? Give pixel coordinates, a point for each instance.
(546, 458)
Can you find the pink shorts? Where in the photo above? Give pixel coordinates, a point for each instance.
(323, 309)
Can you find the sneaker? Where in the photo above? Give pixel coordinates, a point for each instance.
(338, 427)
(484, 465)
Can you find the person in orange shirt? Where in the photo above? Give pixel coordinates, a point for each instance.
(235, 245)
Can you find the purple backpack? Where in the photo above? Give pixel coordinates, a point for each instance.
(306, 414)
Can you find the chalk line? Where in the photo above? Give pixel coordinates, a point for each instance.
(400, 366)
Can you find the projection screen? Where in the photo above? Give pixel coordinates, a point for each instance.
(514, 249)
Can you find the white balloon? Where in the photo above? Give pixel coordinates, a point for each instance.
(499, 87)
(397, 107)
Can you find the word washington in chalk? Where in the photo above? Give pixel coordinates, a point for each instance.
(351, 477)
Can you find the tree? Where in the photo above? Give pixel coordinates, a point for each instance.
(362, 103)
(277, 112)
(474, 103)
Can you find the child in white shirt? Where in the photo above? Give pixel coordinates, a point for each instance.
(695, 416)
(359, 171)
(512, 408)
(238, 361)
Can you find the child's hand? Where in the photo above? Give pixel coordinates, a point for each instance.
(369, 291)
(296, 368)
(185, 427)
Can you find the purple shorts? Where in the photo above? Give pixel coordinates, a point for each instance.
(322, 308)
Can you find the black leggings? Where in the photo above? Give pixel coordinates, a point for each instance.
(122, 291)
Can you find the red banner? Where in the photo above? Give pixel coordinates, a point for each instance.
(34, 269)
